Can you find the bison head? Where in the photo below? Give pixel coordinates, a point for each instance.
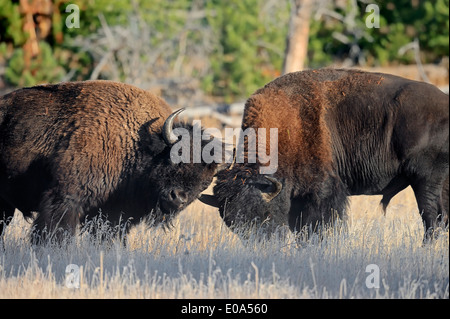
(174, 185)
(250, 202)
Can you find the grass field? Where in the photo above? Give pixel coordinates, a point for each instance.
(200, 258)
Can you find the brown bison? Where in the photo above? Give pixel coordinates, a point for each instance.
(340, 133)
(70, 150)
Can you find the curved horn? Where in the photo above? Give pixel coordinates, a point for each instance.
(210, 200)
(267, 197)
(234, 160)
(169, 137)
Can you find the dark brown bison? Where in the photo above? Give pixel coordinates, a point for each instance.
(340, 133)
(70, 150)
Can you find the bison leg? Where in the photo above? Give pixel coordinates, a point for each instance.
(6, 214)
(58, 218)
(398, 184)
(430, 202)
(307, 216)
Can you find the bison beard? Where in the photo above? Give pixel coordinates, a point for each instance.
(341, 133)
(70, 150)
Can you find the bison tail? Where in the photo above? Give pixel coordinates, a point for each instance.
(384, 204)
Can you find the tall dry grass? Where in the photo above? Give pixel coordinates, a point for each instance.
(200, 258)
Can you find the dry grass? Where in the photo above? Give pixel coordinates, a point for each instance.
(201, 258)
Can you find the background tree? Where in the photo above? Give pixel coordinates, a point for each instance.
(298, 36)
(224, 49)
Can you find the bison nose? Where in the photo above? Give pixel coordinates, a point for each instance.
(178, 197)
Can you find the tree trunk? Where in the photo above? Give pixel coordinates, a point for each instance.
(297, 39)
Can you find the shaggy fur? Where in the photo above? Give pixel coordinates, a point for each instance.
(341, 133)
(72, 149)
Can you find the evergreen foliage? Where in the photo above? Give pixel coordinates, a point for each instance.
(250, 38)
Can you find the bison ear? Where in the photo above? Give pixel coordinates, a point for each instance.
(210, 200)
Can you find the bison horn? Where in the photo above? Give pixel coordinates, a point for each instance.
(267, 197)
(210, 200)
(234, 160)
(169, 137)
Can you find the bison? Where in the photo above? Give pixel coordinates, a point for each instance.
(71, 150)
(340, 133)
